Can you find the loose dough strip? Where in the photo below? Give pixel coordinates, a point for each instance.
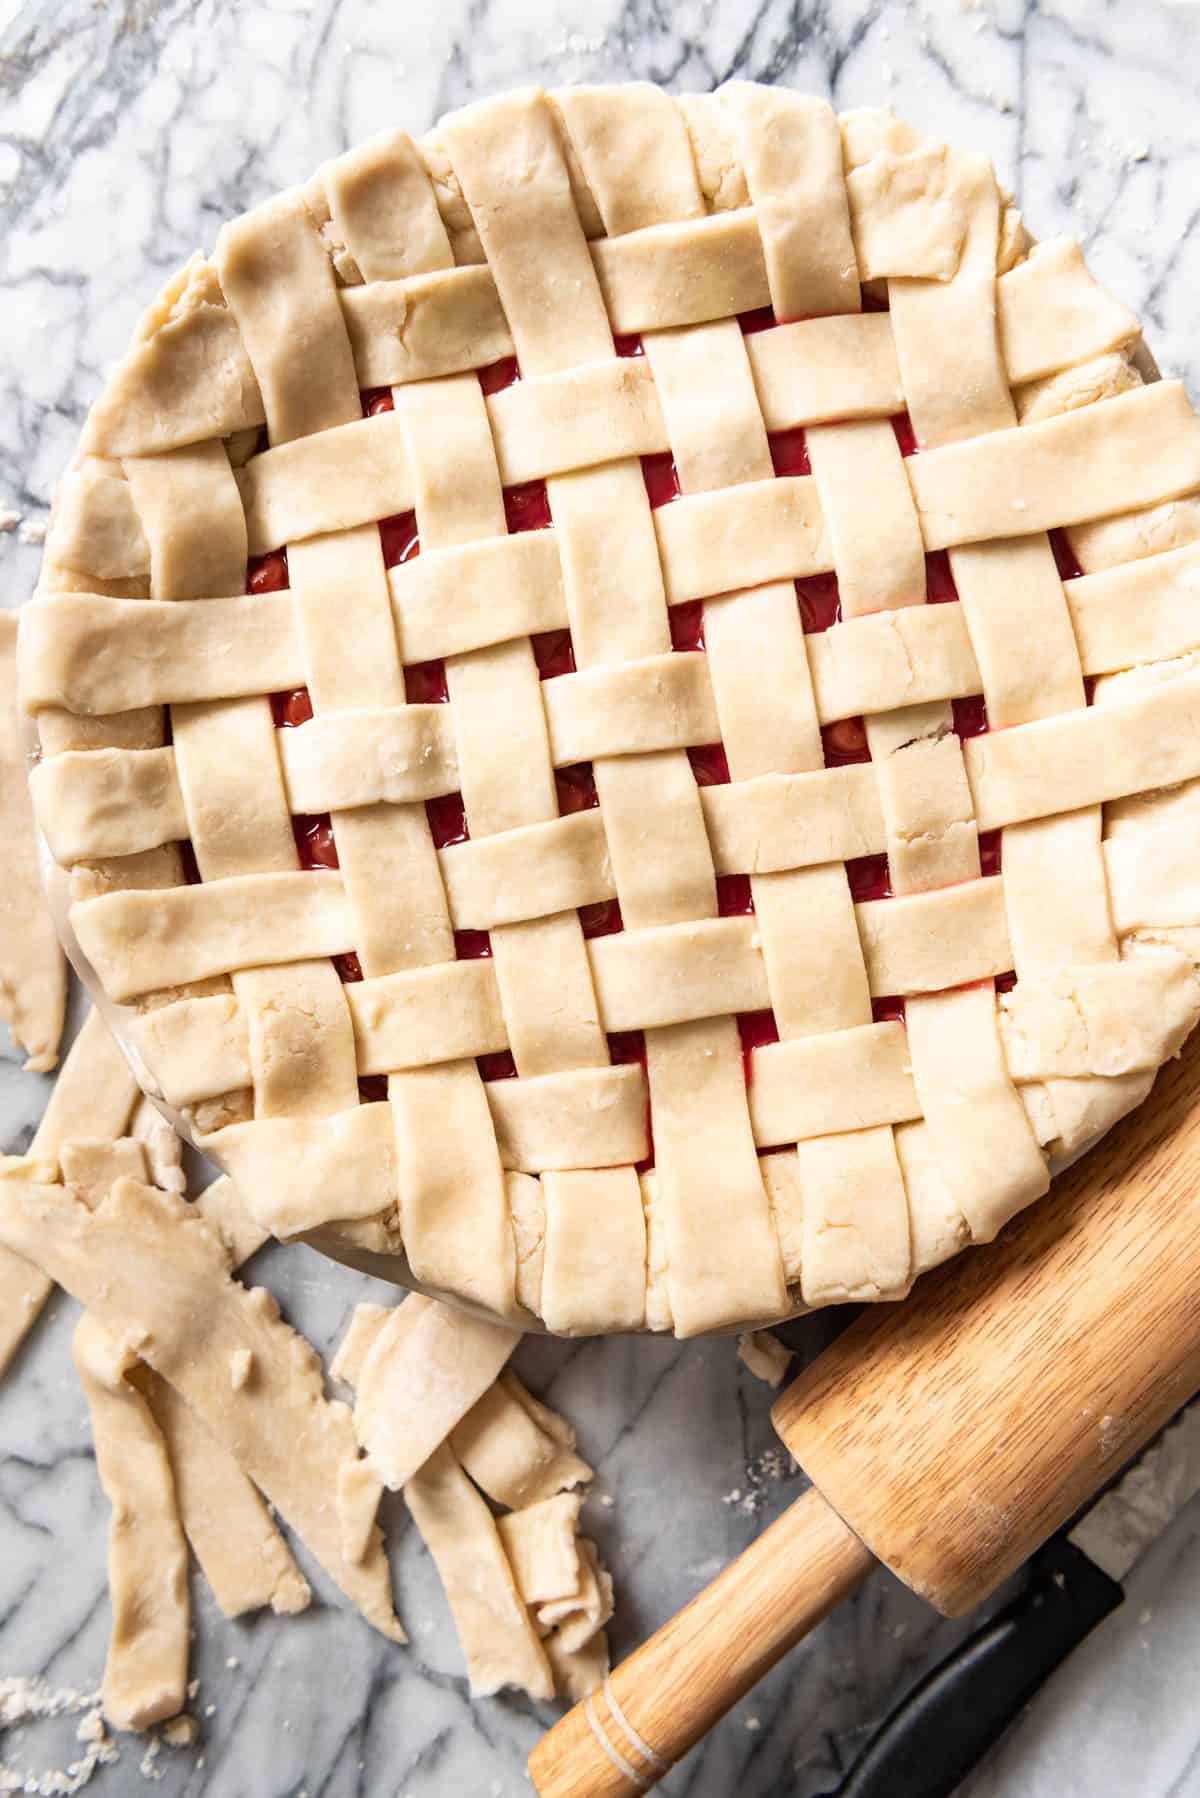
(145, 1674)
(498, 1640)
(518, 1450)
(91, 1166)
(765, 1356)
(232, 1534)
(224, 1210)
(33, 969)
(240, 1550)
(542, 1545)
(93, 1100)
(558, 1574)
(153, 1272)
(415, 1368)
(577, 1618)
(577, 1671)
(425, 1367)
(243, 1556)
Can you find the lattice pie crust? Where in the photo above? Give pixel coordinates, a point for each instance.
(802, 815)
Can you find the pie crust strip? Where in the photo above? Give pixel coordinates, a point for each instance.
(145, 1674)
(154, 1275)
(93, 1097)
(1018, 376)
(33, 970)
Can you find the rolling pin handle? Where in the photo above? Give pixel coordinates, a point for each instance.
(658, 1703)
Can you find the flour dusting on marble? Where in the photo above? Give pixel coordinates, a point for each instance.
(766, 1469)
(32, 1701)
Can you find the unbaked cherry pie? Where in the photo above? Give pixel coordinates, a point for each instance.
(618, 692)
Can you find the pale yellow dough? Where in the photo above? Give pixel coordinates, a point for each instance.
(145, 1676)
(550, 228)
(33, 972)
(155, 1278)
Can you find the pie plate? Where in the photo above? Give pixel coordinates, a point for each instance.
(617, 707)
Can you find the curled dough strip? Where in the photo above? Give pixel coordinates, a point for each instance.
(145, 1675)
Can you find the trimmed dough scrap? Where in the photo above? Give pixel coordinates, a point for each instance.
(766, 1357)
(145, 1676)
(153, 1273)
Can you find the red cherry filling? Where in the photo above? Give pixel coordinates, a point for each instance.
(576, 789)
(789, 452)
(990, 852)
(734, 896)
(526, 507)
(709, 765)
(602, 919)
(756, 1029)
(314, 841)
(844, 742)
(869, 878)
(447, 820)
(661, 477)
(399, 538)
(267, 574)
(472, 945)
(906, 437)
(1065, 559)
(760, 319)
(939, 578)
(425, 683)
(627, 1048)
(499, 375)
(970, 715)
(887, 1011)
(820, 601)
(687, 625)
(554, 653)
(290, 709)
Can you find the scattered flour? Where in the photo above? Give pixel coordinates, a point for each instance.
(32, 530)
(772, 1464)
(28, 1700)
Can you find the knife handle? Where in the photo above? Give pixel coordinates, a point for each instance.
(947, 1723)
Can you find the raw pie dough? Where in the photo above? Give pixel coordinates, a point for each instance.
(176, 1441)
(876, 966)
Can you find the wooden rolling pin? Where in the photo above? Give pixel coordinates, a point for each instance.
(947, 1437)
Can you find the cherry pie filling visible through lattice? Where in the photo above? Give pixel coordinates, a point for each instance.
(527, 509)
(822, 796)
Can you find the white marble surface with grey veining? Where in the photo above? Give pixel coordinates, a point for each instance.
(127, 133)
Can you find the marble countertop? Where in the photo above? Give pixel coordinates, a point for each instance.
(127, 133)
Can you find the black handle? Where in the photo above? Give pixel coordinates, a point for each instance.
(934, 1737)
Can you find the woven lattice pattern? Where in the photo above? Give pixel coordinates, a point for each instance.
(619, 689)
